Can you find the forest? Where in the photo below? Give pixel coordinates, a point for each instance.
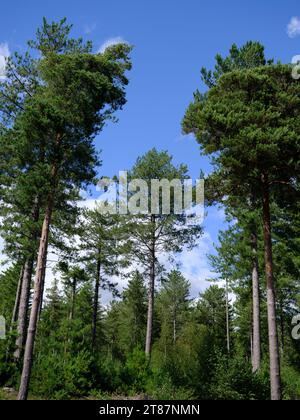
(240, 338)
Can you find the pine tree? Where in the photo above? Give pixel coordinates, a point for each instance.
(157, 233)
(69, 117)
(102, 252)
(253, 156)
(133, 314)
(173, 303)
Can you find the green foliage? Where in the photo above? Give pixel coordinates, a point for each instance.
(8, 369)
(56, 377)
(52, 104)
(133, 315)
(233, 380)
(161, 388)
(291, 382)
(136, 371)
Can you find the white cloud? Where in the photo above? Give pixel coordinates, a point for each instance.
(4, 53)
(110, 42)
(293, 28)
(194, 265)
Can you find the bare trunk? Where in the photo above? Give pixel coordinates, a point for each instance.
(73, 298)
(227, 319)
(39, 282)
(150, 311)
(25, 291)
(149, 333)
(174, 329)
(37, 297)
(23, 309)
(96, 303)
(256, 359)
(42, 292)
(271, 301)
(14, 317)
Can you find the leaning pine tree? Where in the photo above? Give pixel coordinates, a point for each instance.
(250, 125)
(80, 91)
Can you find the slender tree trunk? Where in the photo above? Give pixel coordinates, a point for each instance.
(23, 309)
(37, 297)
(150, 310)
(149, 333)
(96, 302)
(14, 317)
(271, 300)
(174, 328)
(256, 359)
(73, 298)
(25, 290)
(39, 279)
(227, 319)
(42, 292)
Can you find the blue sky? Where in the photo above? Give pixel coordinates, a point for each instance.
(172, 41)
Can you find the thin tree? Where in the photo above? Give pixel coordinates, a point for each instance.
(155, 233)
(71, 118)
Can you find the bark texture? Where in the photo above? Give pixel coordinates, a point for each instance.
(149, 333)
(256, 357)
(96, 302)
(271, 300)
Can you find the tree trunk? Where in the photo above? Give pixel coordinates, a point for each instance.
(271, 300)
(17, 300)
(256, 359)
(282, 329)
(227, 319)
(26, 286)
(23, 309)
(174, 328)
(149, 333)
(39, 280)
(251, 346)
(42, 291)
(96, 302)
(37, 297)
(73, 298)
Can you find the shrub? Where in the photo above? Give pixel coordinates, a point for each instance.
(291, 383)
(233, 380)
(59, 378)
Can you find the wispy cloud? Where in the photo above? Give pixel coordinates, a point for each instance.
(4, 53)
(112, 41)
(89, 28)
(184, 137)
(293, 28)
(194, 264)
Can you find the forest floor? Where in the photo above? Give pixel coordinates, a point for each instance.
(11, 394)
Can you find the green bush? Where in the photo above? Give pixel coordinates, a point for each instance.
(233, 380)
(160, 387)
(136, 371)
(55, 377)
(108, 374)
(8, 369)
(291, 383)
